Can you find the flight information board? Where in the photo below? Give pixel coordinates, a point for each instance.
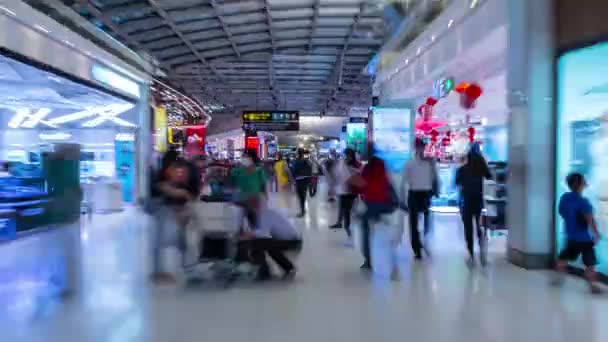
(271, 120)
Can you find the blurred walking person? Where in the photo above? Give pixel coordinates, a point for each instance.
(302, 172)
(379, 197)
(345, 170)
(177, 185)
(469, 179)
(419, 183)
(582, 233)
(283, 179)
(249, 181)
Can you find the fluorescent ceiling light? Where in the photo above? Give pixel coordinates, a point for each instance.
(450, 23)
(109, 110)
(35, 118)
(17, 119)
(122, 122)
(41, 28)
(115, 80)
(110, 113)
(8, 11)
(55, 136)
(125, 137)
(73, 117)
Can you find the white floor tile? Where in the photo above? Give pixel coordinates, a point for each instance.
(330, 300)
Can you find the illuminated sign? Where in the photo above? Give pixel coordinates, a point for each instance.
(443, 87)
(271, 120)
(114, 80)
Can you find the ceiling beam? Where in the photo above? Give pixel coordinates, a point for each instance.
(313, 26)
(340, 66)
(165, 16)
(225, 28)
(269, 23)
(107, 21)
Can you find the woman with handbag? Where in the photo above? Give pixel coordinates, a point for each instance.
(379, 197)
(346, 169)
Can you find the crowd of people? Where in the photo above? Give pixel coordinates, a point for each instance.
(266, 232)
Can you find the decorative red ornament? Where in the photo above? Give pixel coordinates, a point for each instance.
(471, 131)
(447, 140)
(460, 88)
(431, 101)
(434, 134)
(469, 93)
(474, 91)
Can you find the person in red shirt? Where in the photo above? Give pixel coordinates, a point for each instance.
(379, 197)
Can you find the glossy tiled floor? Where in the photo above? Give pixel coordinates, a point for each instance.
(331, 299)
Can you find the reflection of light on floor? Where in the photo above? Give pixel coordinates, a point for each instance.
(445, 210)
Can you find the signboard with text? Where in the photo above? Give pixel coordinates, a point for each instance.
(271, 120)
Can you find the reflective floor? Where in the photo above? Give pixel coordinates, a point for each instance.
(330, 300)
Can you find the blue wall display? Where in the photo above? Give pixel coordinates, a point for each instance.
(582, 134)
(391, 135)
(125, 167)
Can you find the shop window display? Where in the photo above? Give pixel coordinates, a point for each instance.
(582, 133)
(57, 141)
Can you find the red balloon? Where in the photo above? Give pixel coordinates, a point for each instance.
(471, 132)
(431, 101)
(473, 91)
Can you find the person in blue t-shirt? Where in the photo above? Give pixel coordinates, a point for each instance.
(581, 230)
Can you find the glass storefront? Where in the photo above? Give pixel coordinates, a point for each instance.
(582, 133)
(61, 141)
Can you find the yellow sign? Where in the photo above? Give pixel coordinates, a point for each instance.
(160, 129)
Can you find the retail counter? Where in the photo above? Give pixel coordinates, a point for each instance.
(29, 208)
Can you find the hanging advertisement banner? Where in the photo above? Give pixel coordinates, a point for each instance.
(391, 136)
(160, 129)
(125, 167)
(356, 137)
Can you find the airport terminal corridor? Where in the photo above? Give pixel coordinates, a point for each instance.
(330, 299)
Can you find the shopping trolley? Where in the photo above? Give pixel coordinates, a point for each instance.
(213, 243)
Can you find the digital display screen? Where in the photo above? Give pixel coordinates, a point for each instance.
(391, 134)
(582, 135)
(271, 120)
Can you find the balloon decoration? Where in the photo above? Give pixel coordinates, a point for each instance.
(471, 133)
(434, 134)
(447, 139)
(469, 93)
(426, 123)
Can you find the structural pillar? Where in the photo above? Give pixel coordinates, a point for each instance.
(530, 78)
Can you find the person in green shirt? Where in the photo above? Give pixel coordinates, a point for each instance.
(249, 181)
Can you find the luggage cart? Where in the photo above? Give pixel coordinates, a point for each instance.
(214, 243)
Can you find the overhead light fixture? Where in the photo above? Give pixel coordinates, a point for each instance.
(450, 23)
(17, 119)
(474, 3)
(35, 118)
(124, 137)
(74, 116)
(8, 11)
(55, 136)
(42, 28)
